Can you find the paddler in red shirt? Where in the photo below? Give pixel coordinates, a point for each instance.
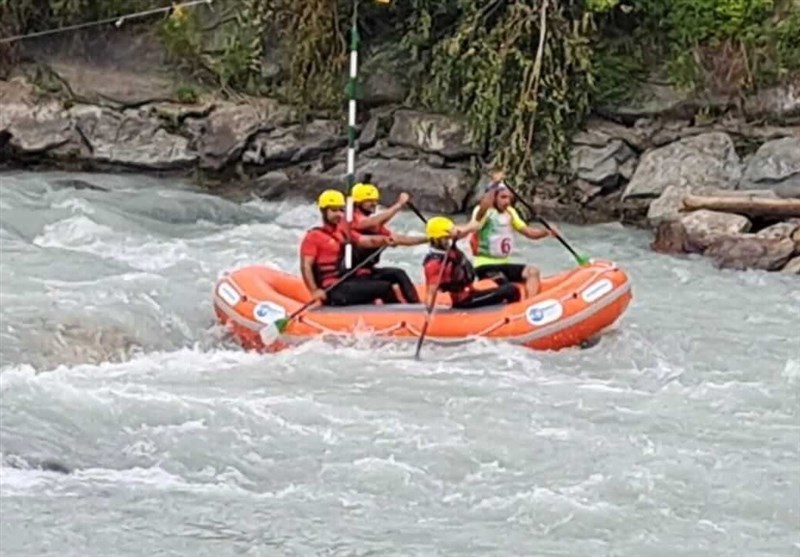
(458, 277)
(367, 221)
(322, 256)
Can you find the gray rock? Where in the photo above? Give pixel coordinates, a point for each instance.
(382, 150)
(432, 133)
(369, 135)
(704, 227)
(131, 138)
(675, 130)
(671, 238)
(776, 165)
(383, 87)
(792, 266)
(602, 165)
(110, 87)
(781, 101)
(750, 252)
(295, 143)
(588, 190)
(654, 99)
(779, 231)
(444, 190)
(36, 129)
(600, 132)
(706, 160)
(221, 138)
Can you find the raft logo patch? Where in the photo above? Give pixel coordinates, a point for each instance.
(227, 293)
(544, 312)
(268, 312)
(596, 290)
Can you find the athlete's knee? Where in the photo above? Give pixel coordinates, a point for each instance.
(531, 272)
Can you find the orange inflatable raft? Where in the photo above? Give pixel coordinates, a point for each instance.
(571, 308)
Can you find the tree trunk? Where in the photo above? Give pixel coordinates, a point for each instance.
(750, 206)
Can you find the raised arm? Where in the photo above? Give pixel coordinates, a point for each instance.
(525, 229)
(463, 230)
(371, 242)
(486, 203)
(380, 219)
(534, 233)
(403, 240)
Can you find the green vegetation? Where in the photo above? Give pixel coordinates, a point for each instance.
(524, 73)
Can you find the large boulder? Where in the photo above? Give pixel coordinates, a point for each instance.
(671, 238)
(792, 266)
(432, 189)
(294, 144)
(599, 132)
(32, 129)
(444, 190)
(780, 101)
(776, 165)
(788, 229)
(653, 100)
(705, 160)
(750, 252)
(130, 138)
(221, 138)
(606, 165)
(280, 184)
(704, 227)
(432, 133)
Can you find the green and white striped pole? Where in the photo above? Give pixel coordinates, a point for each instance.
(352, 85)
(352, 90)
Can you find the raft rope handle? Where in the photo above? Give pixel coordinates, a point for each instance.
(117, 21)
(306, 321)
(416, 332)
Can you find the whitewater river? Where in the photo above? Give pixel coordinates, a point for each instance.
(131, 426)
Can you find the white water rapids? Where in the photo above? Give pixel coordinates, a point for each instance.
(130, 426)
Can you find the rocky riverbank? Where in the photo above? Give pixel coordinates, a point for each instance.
(630, 165)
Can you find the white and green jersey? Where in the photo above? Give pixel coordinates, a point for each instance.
(495, 239)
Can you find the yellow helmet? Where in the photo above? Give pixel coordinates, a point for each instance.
(364, 192)
(438, 227)
(330, 198)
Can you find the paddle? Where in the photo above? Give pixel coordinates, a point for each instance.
(581, 259)
(429, 309)
(416, 211)
(270, 333)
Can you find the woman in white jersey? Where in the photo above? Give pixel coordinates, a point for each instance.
(493, 243)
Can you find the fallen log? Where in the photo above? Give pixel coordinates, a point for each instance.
(744, 205)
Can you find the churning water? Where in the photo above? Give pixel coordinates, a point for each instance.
(132, 426)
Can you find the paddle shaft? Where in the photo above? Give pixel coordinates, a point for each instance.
(430, 308)
(343, 278)
(416, 211)
(558, 236)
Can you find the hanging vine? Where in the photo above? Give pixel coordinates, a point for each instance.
(521, 73)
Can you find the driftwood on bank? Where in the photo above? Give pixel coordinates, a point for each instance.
(753, 206)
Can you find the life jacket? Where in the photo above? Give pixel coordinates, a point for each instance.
(458, 273)
(329, 265)
(360, 254)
